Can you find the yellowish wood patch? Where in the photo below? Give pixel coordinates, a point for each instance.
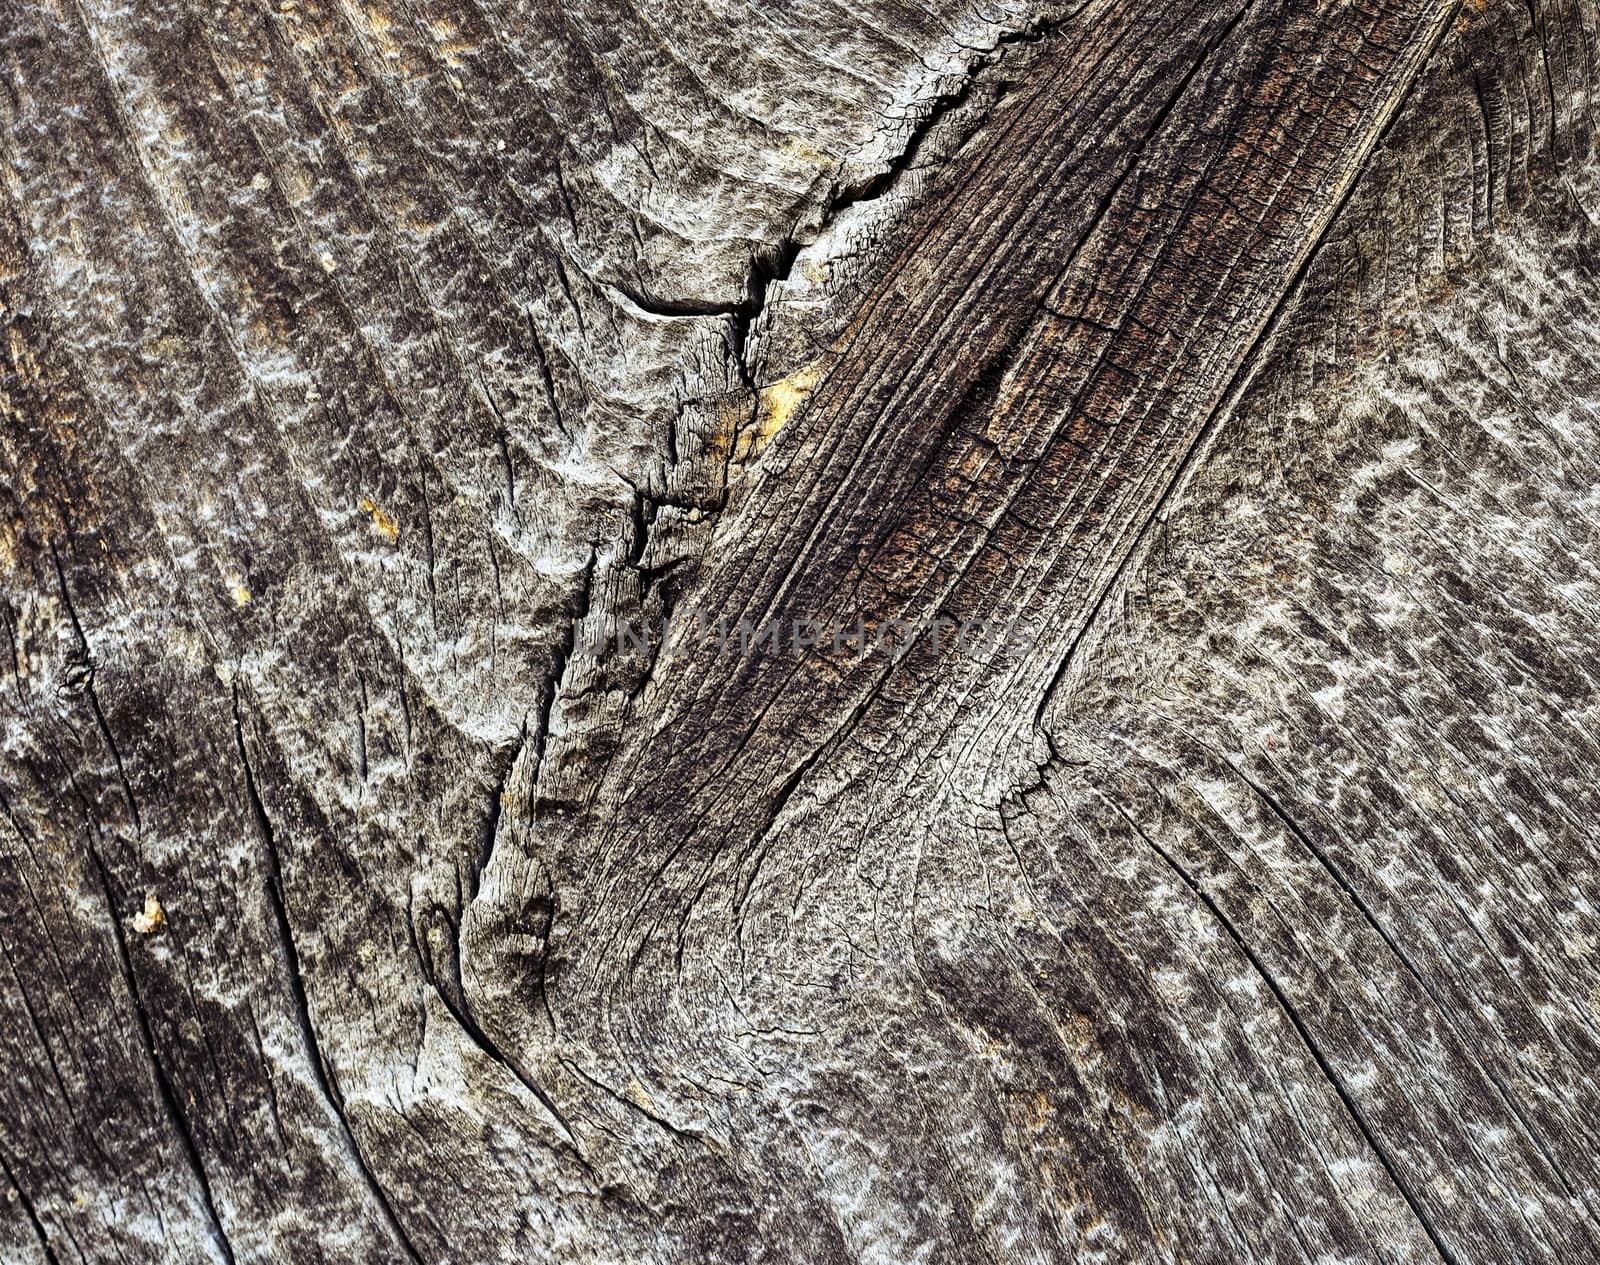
(151, 918)
(779, 403)
(384, 521)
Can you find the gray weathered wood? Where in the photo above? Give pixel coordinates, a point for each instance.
(366, 896)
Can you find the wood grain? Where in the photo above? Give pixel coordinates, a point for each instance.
(367, 367)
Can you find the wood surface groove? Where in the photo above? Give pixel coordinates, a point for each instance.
(1350, 1104)
(326, 1085)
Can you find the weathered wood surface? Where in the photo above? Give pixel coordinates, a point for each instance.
(368, 366)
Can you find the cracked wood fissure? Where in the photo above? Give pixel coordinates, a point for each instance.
(371, 369)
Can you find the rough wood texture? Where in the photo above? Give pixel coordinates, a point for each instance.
(371, 372)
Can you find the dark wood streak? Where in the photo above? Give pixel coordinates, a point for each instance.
(1048, 346)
